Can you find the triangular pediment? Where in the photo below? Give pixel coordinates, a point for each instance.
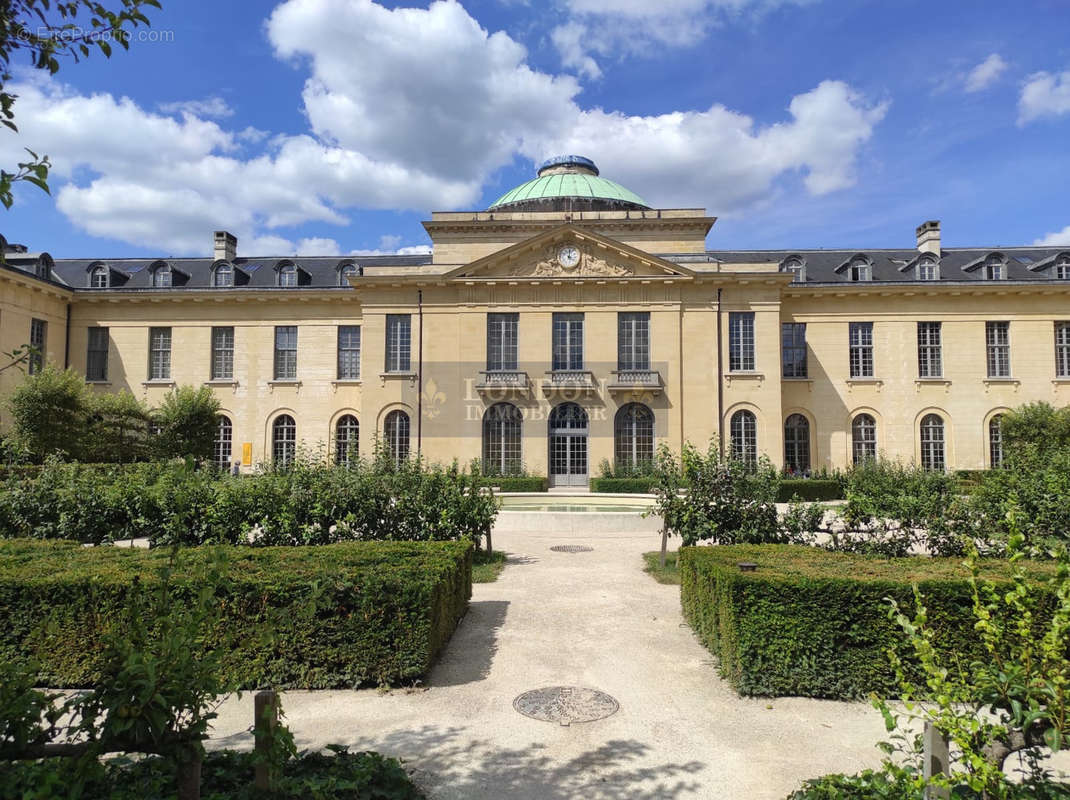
(570, 252)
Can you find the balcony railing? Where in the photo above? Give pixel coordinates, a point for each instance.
(503, 379)
(636, 379)
(570, 379)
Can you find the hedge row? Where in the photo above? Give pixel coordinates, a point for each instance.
(516, 483)
(809, 489)
(383, 610)
(813, 623)
(624, 485)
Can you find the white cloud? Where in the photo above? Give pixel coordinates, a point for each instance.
(388, 246)
(408, 109)
(634, 27)
(316, 246)
(212, 107)
(984, 74)
(1056, 239)
(1044, 95)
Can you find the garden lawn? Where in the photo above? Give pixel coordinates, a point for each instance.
(486, 567)
(670, 573)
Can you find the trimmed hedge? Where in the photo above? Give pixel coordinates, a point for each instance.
(809, 489)
(516, 483)
(814, 623)
(384, 610)
(624, 485)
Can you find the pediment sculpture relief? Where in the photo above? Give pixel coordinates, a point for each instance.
(569, 261)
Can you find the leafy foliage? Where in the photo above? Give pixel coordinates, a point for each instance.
(50, 31)
(624, 485)
(48, 413)
(812, 623)
(187, 420)
(336, 616)
(515, 483)
(810, 489)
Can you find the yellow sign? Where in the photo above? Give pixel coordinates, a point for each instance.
(247, 454)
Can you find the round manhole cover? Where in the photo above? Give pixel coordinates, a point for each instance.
(566, 704)
(571, 548)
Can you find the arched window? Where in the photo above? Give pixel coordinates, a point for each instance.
(501, 440)
(859, 270)
(346, 272)
(797, 445)
(283, 440)
(633, 436)
(396, 432)
(98, 278)
(744, 432)
(223, 276)
(994, 268)
(161, 277)
(795, 266)
(346, 435)
(287, 275)
(928, 270)
(932, 442)
(222, 446)
(995, 441)
(1062, 268)
(863, 439)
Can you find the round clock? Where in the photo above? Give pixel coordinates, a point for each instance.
(568, 257)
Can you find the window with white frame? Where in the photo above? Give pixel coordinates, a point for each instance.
(797, 269)
(743, 429)
(283, 440)
(287, 275)
(502, 334)
(502, 425)
(998, 347)
(933, 456)
(797, 445)
(346, 437)
(995, 441)
(162, 277)
(930, 355)
(286, 353)
(345, 273)
(1062, 268)
(222, 446)
(96, 355)
(633, 436)
(995, 269)
(1062, 349)
(928, 270)
(741, 341)
(860, 344)
(38, 345)
(860, 270)
(398, 342)
(98, 278)
(348, 352)
(159, 354)
(633, 340)
(222, 354)
(863, 439)
(396, 433)
(567, 342)
(223, 276)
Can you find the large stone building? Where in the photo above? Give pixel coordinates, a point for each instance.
(567, 324)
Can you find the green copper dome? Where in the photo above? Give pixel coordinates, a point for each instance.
(568, 183)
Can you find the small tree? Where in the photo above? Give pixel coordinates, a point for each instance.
(48, 413)
(1035, 429)
(117, 428)
(188, 420)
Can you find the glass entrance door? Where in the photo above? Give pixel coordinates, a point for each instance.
(568, 446)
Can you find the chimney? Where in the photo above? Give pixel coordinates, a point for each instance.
(929, 237)
(226, 246)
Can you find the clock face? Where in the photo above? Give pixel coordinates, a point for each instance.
(568, 257)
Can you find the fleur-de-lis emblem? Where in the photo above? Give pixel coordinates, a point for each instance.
(433, 399)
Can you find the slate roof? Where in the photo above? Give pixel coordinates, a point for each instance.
(957, 264)
(131, 274)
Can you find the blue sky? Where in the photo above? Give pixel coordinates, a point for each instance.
(335, 126)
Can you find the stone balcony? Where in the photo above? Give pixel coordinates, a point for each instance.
(570, 380)
(636, 380)
(496, 380)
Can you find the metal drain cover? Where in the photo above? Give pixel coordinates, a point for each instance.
(571, 548)
(566, 704)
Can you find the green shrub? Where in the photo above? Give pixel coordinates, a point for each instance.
(638, 469)
(188, 421)
(624, 485)
(515, 483)
(345, 615)
(809, 489)
(813, 623)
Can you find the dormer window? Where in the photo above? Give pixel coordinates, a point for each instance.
(995, 269)
(859, 270)
(345, 272)
(162, 277)
(99, 278)
(928, 270)
(43, 269)
(796, 267)
(287, 275)
(1062, 268)
(223, 276)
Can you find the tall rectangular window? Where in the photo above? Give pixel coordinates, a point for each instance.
(633, 340)
(96, 355)
(348, 352)
(930, 357)
(793, 349)
(502, 341)
(159, 354)
(1062, 349)
(286, 353)
(38, 340)
(998, 344)
(860, 342)
(222, 354)
(567, 341)
(398, 342)
(740, 341)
